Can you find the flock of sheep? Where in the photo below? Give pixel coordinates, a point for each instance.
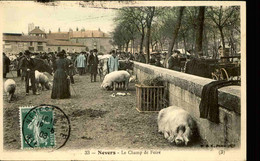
(176, 124)
(41, 82)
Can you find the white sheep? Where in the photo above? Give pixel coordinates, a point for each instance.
(9, 87)
(114, 78)
(41, 78)
(177, 125)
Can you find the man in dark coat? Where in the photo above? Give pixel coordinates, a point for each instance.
(28, 66)
(93, 64)
(141, 57)
(153, 59)
(19, 58)
(6, 63)
(174, 62)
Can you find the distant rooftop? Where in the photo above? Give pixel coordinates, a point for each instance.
(88, 33)
(13, 34)
(36, 30)
(23, 38)
(58, 36)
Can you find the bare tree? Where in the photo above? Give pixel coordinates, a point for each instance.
(220, 16)
(199, 31)
(175, 33)
(149, 18)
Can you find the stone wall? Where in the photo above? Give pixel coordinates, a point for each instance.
(185, 91)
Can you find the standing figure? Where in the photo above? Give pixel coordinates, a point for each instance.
(6, 63)
(141, 57)
(153, 59)
(174, 62)
(93, 64)
(18, 64)
(28, 67)
(113, 62)
(80, 62)
(72, 70)
(61, 85)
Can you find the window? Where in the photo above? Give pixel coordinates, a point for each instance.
(77, 40)
(40, 48)
(7, 46)
(39, 43)
(58, 48)
(31, 43)
(31, 48)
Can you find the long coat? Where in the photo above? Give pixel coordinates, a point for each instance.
(93, 63)
(113, 64)
(174, 63)
(61, 87)
(6, 63)
(81, 61)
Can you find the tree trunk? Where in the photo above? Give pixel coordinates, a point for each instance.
(222, 38)
(141, 42)
(184, 43)
(149, 20)
(127, 44)
(175, 34)
(199, 31)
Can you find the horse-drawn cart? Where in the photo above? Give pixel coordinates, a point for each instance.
(227, 68)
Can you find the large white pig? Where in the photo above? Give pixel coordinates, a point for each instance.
(114, 78)
(9, 87)
(41, 78)
(177, 125)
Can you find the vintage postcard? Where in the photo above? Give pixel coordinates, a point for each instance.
(123, 80)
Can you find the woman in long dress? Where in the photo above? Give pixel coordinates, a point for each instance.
(61, 84)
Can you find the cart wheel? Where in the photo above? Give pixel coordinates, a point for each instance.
(224, 74)
(214, 76)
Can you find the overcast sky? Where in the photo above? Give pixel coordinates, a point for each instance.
(15, 17)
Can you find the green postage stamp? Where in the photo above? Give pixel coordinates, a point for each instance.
(37, 127)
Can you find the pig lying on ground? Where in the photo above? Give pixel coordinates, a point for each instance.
(177, 125)
(9, 87)
(41, 78)
(114, 78)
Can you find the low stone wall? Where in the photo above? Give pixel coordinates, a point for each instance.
(185, 91)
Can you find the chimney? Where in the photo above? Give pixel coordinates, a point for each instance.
(99, 29)
(59, 29)
(49, 31)
(77, 29)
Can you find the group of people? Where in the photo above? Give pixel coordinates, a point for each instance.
(158, 59)
(64, 65)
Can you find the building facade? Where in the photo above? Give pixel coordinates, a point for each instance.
(72, 41)
(15, 43)
(92, 39)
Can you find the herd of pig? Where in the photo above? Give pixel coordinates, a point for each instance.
(176, 124)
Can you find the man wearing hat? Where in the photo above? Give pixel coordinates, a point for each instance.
(93, 64)
(28, 66)
(113, 62)
(81, 63)
(174, 61)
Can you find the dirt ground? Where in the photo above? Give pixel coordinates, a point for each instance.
(97, 119)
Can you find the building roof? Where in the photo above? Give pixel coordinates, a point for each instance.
(23, 38)
(63, 43)
(58, 36)
(88, 33)
(13, 34)
(37, 30)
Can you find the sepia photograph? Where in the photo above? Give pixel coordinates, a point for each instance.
(123, 80)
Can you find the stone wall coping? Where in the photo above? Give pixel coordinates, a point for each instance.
(229, 97)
